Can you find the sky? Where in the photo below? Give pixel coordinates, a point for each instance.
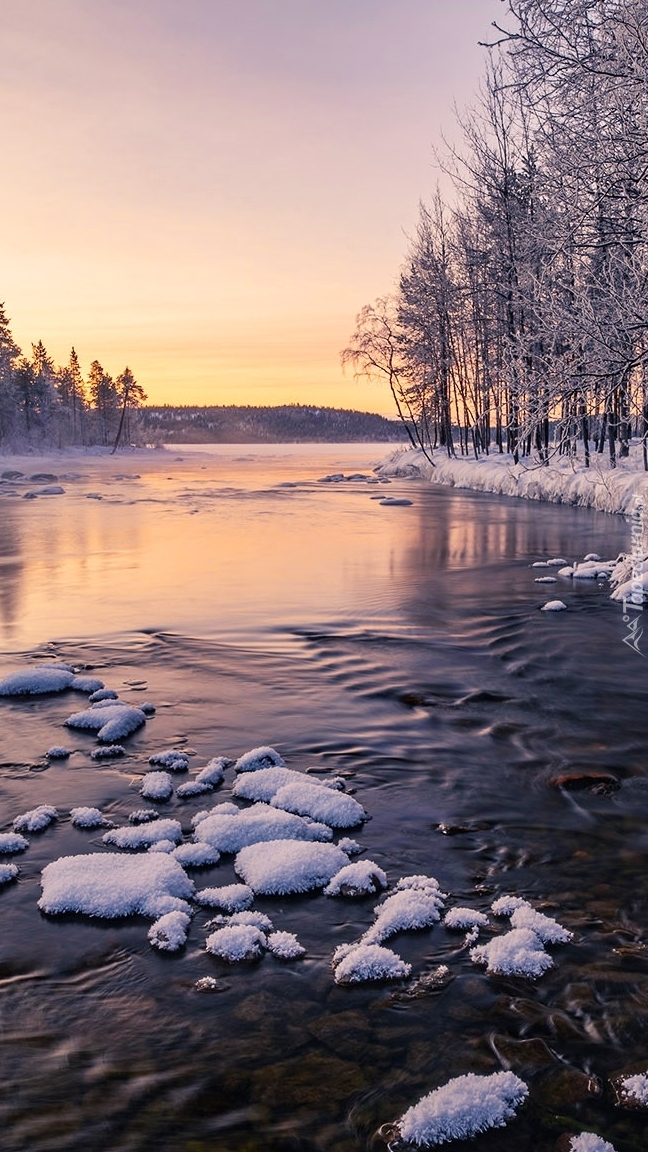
(210, 190)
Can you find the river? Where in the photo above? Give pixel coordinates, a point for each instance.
(399, 645)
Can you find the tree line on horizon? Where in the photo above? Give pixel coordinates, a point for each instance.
(521, 313)
(42, 404)
(258, 424)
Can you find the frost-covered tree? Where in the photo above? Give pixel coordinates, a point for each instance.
(131, 396)
(9, 354)
(104, 400)
(70, 387)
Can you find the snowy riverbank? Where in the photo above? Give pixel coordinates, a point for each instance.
(562, 481)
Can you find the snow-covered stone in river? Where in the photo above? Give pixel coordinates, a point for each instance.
(214, 771)
(635, 1089)
(89, 684)
(553, 606)
(34, 681)
(102, 694)
(169, 932)
(8, 872)
(567, 571)
(192, 788)
(57, 752)
(230, 897)
(519, 952)
(231, 831)
(11, 842)
(143, 815)
(362, 962)
(280, 867)
(110, 719)
(465, 918)
(236, 942)
(108, 884)
(258, 758)
(351, 847)
(405, 910)
(264, 784)
(324, 804)
(590, 1142)
(157, 786)
(198, 855)
(87, 818)
(36, 819)
(109, 752)
(548, 929)
(285, 946)
(143, 835)
(171, 759)
(163, 846)
(463, 1108)
(364, 878)
(545, 580)
(256, 919)
(506, 905)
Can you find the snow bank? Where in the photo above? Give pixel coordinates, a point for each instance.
(325, 804)
(110, 719)
(280, 867)
(229, 832)
(107, 884)
(563, 481)
(463, 1108)
(359, 963)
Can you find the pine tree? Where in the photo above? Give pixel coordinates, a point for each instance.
(9, 354)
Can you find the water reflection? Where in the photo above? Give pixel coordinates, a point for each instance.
(11, 572)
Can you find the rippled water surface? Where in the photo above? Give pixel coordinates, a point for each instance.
(401, 646)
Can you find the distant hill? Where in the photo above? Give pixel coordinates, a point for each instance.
(188, 424)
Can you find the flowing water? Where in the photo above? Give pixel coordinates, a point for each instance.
(401, 646)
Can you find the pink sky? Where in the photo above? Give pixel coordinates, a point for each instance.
(209, 191)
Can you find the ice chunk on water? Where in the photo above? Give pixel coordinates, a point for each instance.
(463, 1108)
(108, 884)
(284, 866)
(143, 835)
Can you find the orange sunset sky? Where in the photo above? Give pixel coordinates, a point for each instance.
(209, 190)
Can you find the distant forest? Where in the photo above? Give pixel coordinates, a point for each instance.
(255, 425)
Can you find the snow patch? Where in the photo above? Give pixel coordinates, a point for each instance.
(109, 885)
(463, 1108)
(280, 867)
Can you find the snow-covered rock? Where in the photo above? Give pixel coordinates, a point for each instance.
(236, 942)
(405, 910)
(37, 681)
(554, 606)
(169, 932)
(258, 758)
(358, 963)
(8, 872)
(110, 885)
(170, 759)
(279, 867)
(110, 719)
(36, 819)
(465, 918)
(157, 786)
(143, 835)
(230, 897)
(324, 804)
(87, 818)
(285, 946)
(363, 878)
(590, 1142)
(231, 831)
(196, 855)
(11, 842)
(463, 1108)
(264, 783)
(519, 952)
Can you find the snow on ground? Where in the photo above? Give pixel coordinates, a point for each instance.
(563, 481)
(108, 884)
(463, 1108)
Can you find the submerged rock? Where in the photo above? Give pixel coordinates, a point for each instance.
(599, 783)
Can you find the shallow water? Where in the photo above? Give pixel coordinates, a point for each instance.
(401, 646)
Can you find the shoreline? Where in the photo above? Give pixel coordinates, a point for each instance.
(560, 482)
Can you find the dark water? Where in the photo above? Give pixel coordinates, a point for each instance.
(403, 647)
